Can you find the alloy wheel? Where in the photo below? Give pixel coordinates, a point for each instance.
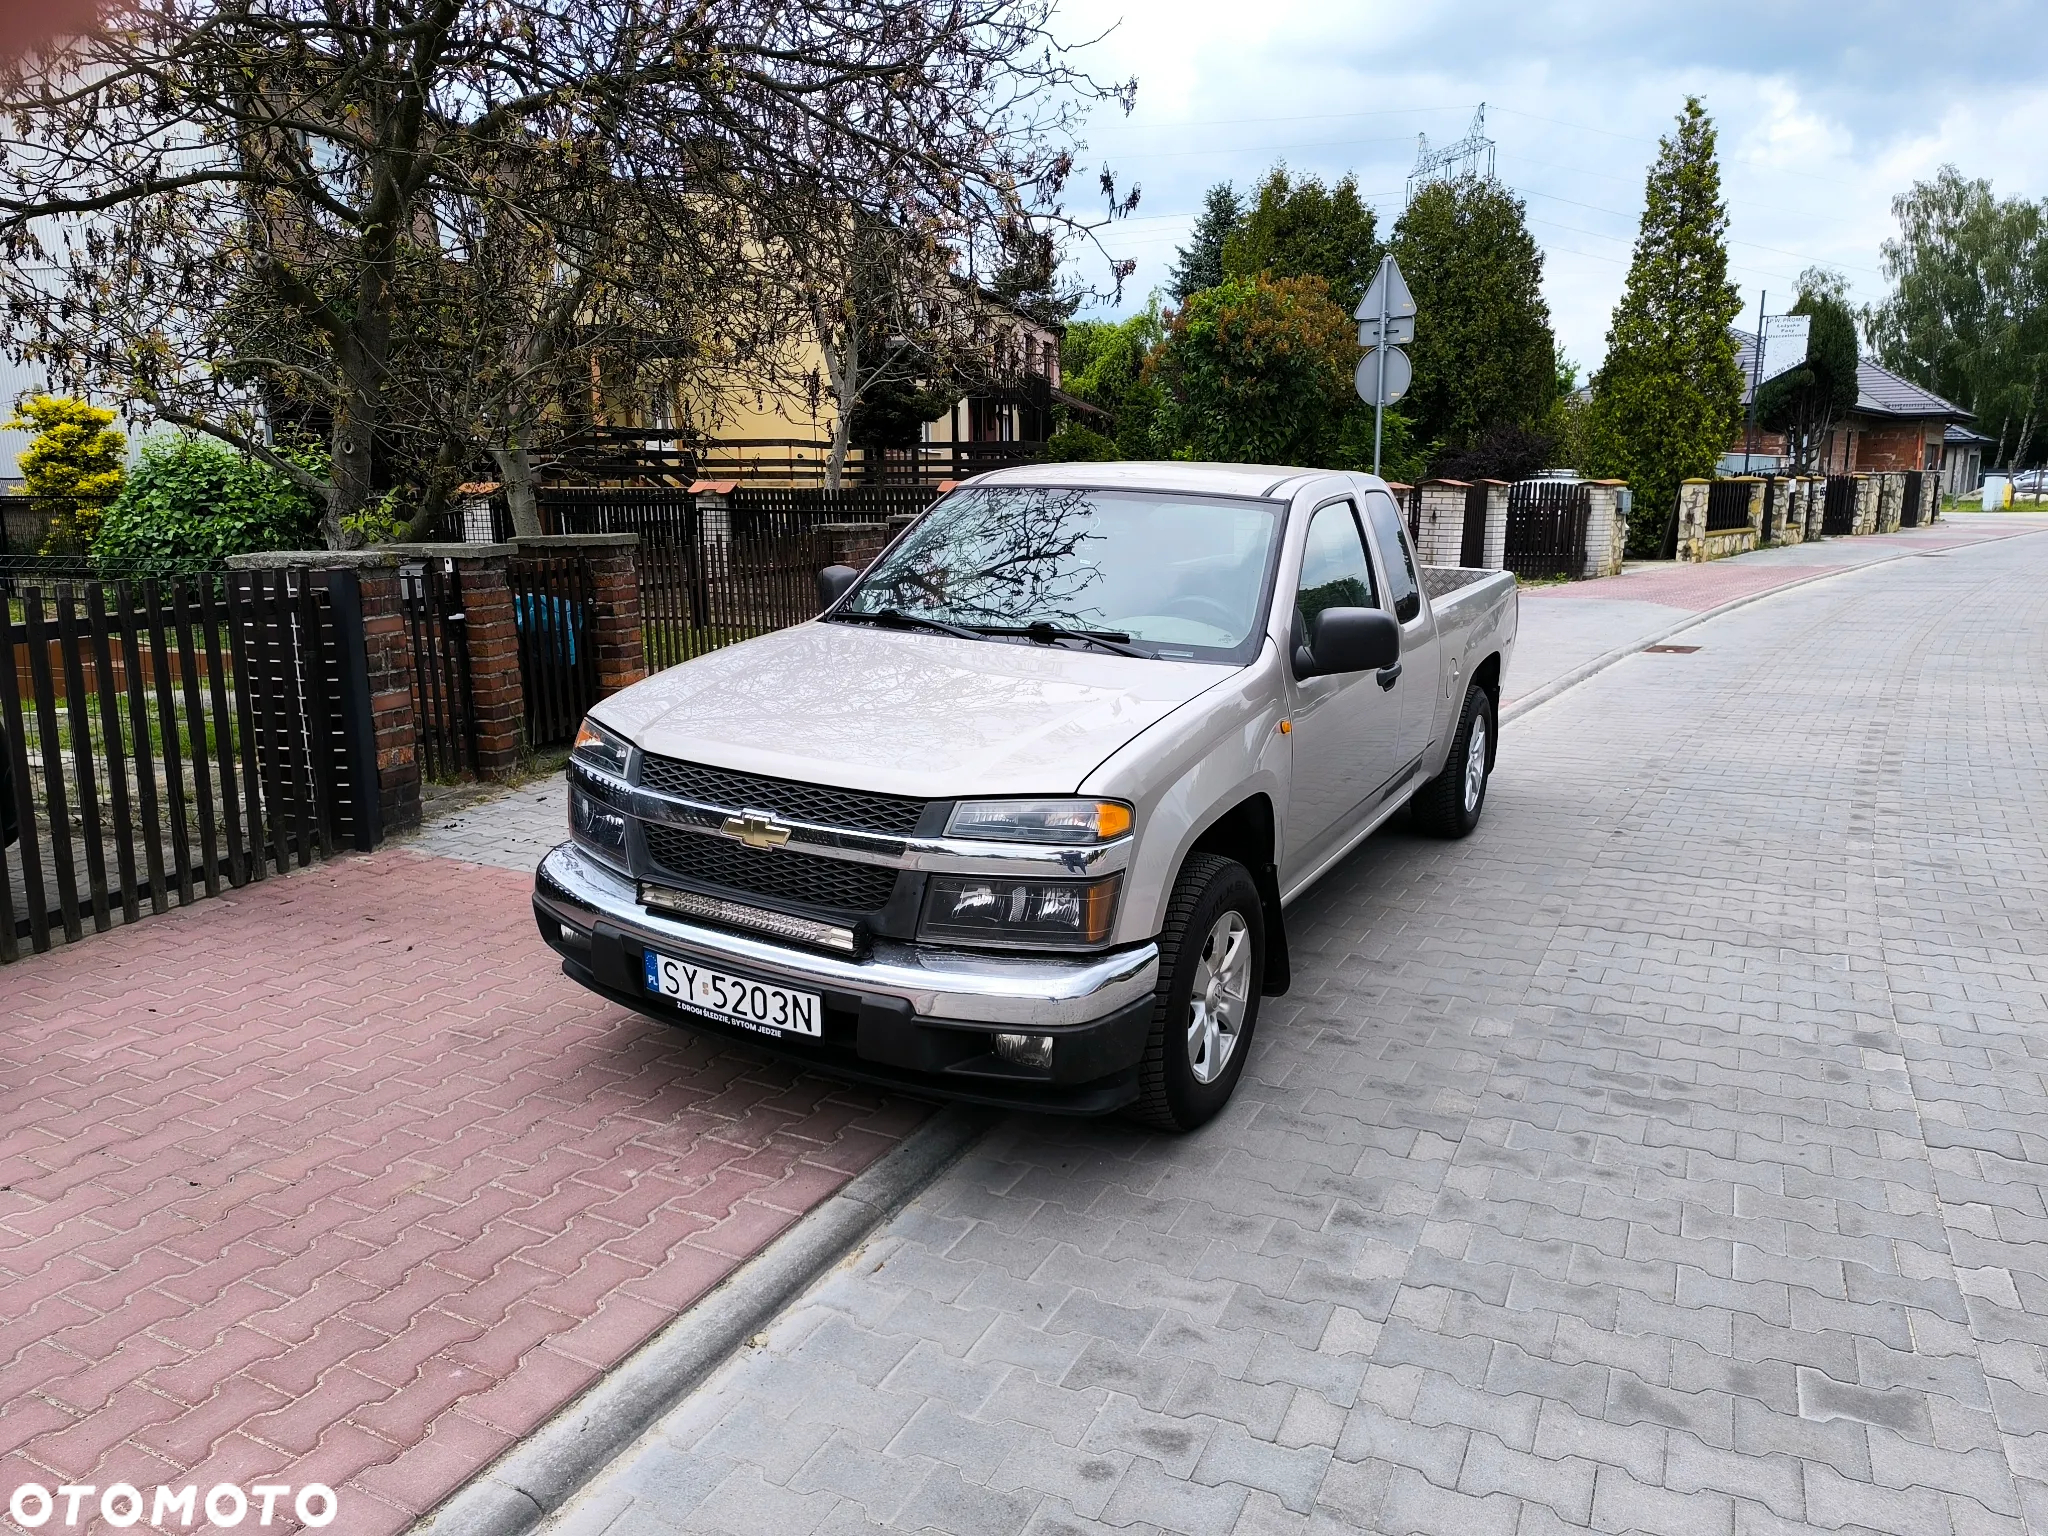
(1222, 992)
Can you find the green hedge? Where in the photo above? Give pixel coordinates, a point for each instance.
(191, 502)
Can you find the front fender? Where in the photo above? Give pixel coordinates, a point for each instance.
(1185, 771)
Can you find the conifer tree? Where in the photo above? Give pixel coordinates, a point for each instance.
(1484, 355)
(73, 462)
(1200, 263)
(1668, 399)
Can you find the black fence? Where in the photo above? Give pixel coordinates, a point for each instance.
(26, 523)
(1916, 489)
(443, 710)
(1774, 496)
(159, 742)
(713, 572)
(1728, 506)
(1547, 528)
(675, 459)
(1838, 510)
(554, 604)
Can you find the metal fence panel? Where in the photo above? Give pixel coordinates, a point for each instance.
(1838, 509)
(1546, 535)
(554, 603)
(161, 741)
(1727, 506)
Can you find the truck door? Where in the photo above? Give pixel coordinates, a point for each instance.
(1416, 685)
(1346, 729)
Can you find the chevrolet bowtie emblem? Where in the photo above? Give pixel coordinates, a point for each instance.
(756, 829)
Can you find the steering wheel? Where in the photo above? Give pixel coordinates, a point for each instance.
(1207, 611)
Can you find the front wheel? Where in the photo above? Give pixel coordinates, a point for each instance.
(1449, 804)
(1212, 957)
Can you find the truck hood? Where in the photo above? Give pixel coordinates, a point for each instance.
(899, 712)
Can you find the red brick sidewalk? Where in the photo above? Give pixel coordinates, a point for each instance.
(337, 1179)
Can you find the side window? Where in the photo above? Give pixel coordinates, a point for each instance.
(1402, 584)
(1334, 572)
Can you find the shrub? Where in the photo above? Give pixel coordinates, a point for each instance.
(191, 502)
(1257, 370)
(1076, 444)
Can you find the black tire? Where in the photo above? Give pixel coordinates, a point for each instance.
(1442, 807)
(1171, 1093)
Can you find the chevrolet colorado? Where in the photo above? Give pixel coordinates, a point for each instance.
(1018, 816)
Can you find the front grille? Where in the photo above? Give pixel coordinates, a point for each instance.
(820, 804)
(777, 874)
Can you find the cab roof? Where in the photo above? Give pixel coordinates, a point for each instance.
(1157, 475)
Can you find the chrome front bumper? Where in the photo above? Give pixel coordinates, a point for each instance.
(1038, 992)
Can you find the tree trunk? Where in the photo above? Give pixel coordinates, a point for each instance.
(353, 471)
(349, 451)
(845, 381)
(515, 469)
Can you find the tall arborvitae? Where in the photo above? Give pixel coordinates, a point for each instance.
(1668, 400)
(1484, 355)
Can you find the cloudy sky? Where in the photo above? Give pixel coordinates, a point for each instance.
(1825, 112)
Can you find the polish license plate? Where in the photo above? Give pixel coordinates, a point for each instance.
(751, 1005)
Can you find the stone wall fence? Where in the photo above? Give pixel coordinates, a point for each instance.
(1867, 494)
(1692, 520)
(1788, 513)
(1891, 500)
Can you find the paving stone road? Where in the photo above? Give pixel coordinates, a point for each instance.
(1665, 1158)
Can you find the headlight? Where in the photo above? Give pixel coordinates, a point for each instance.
(597, 826)
(1040, 821)
(1061, 914)
(601, 749)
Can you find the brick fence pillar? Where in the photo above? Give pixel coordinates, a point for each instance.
(387, 651)
(614, 561)
(1440, 522)
(497, 689)
(1494, 555)
(854, 544)
(1606, 528)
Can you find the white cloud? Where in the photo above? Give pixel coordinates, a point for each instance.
(1824, 114)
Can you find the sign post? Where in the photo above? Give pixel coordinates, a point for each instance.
(1386, 317)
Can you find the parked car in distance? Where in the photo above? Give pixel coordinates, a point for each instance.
(1018, 817)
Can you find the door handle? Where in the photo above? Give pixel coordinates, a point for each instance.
(1389, 676)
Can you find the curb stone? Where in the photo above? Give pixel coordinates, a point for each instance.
(546, 1469)
(1598, 664)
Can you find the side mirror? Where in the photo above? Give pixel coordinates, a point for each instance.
(834, 581)
(1350, 640)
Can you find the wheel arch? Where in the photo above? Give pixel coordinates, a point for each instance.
(1487, 676)
(1248, 833)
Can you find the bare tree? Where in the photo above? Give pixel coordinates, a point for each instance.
(212, 206)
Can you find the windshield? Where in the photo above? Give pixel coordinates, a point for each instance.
(1182, 577)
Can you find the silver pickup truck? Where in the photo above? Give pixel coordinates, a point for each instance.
(1018, 817)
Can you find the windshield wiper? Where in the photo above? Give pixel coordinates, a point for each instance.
(1046, 633)
(896, 618)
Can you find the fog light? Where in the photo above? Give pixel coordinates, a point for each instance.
(1025, 1050)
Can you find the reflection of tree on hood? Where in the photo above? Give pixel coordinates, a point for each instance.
(998, 556)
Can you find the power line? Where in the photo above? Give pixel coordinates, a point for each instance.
(1299, 117)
